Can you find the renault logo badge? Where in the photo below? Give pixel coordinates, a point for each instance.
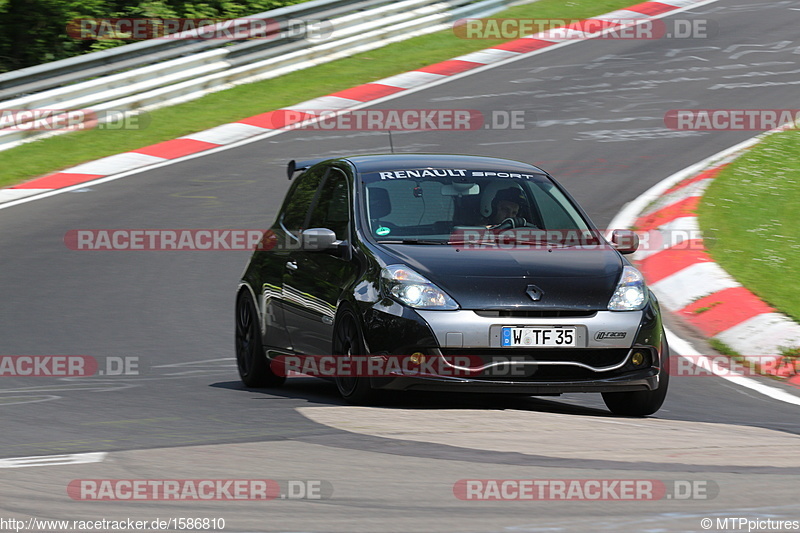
(535, 293)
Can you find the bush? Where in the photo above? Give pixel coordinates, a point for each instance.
(34, 31)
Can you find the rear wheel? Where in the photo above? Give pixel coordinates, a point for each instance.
(642, 403)
(348, 342)
(254, 369)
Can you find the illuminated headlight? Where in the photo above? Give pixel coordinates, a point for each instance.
(414, 290)
(631, 292)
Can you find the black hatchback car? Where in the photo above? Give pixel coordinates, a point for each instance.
(479, 274)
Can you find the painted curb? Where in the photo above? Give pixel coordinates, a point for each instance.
(356, 96)
(689, 283)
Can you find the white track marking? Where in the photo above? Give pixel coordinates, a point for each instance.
(53, 460)
(684, 348)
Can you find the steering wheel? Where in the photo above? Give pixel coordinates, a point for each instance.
(513, 222)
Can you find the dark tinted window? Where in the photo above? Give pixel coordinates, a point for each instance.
(332, 209)
(433, 207)
(299, 199)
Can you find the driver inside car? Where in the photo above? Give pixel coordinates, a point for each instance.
(506, 207)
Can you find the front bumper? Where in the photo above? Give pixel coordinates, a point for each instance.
(600, 362)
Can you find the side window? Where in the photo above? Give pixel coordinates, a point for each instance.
(332, 209)
(298, 201)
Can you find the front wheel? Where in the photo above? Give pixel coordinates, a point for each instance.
(348, 342)
(642, 403)
(254, 369)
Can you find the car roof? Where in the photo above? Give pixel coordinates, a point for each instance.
(374, 163)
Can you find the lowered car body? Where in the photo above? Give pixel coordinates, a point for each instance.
(409, 256)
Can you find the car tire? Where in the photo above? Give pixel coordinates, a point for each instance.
(254, 369)
(348, 341)
(642, 403)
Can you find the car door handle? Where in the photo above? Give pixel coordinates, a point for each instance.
(291, 265)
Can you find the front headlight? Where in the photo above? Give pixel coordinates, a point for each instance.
(414, 290)
(631, 292)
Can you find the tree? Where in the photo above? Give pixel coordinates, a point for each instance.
(34, 31)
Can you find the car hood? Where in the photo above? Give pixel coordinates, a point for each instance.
(568, 278)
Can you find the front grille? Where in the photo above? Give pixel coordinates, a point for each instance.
(506, 313)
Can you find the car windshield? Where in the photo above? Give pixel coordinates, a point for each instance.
(437, 206)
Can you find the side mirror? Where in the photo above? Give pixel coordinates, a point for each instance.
(318, 239)
(625, 241)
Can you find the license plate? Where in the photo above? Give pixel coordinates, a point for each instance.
(547, 336)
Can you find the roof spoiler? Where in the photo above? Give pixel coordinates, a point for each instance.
(296, 166)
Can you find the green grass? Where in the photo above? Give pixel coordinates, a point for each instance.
(700, 310)
(49, 155)
(792, 354)
(723, 348)
(750, 217)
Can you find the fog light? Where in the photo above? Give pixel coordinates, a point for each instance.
(417, 358)
(638, 358)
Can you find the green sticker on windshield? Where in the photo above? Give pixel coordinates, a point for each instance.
(383, 230)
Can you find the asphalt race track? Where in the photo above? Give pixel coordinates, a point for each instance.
(594, 119)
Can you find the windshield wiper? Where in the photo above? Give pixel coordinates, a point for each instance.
(542, 243)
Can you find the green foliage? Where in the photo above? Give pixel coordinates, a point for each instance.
(750, 217)
(34, 31)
